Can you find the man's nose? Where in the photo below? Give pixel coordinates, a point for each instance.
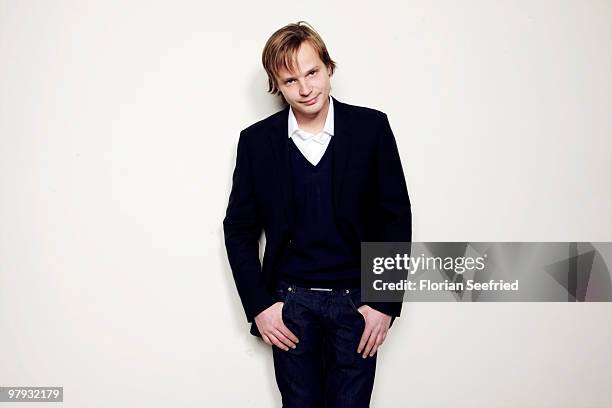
(304, 88)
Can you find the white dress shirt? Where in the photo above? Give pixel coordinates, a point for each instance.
(312, 146)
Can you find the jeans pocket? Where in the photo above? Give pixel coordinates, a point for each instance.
(354, 299)
(280, 294)
(283, 295)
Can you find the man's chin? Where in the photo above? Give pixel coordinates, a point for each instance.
(309, 110)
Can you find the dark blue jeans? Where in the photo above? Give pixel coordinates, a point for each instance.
(324, 370)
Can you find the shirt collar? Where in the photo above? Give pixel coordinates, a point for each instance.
(328, 128)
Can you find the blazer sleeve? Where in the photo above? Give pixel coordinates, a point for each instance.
(394, 213)
(242, 227)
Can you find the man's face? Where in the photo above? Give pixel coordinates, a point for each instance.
(307, 88)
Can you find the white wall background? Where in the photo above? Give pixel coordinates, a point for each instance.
(118, 129)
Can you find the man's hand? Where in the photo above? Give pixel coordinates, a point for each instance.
(273, 330)
(375, 332)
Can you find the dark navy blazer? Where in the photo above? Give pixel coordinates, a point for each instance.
(370, 198)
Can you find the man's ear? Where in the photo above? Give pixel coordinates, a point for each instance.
(329, 71)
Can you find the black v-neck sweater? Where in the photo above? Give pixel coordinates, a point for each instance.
(317, 255)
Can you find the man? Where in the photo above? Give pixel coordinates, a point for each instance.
(319, 177)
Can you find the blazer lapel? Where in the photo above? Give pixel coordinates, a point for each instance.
(279, 140)
(341, 147)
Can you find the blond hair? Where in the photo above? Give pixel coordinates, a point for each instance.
(281, 48)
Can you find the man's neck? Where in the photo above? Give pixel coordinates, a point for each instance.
(312, 124)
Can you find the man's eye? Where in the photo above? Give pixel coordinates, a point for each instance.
(312, 73)
(289, 81)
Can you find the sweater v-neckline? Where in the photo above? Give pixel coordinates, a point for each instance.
(313, 166)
